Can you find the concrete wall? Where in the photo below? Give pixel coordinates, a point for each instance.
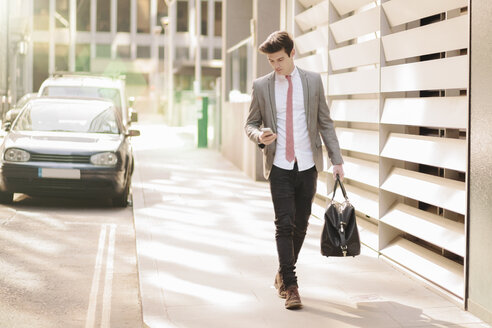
(480, 177)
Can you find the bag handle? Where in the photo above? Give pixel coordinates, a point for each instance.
(338, 182)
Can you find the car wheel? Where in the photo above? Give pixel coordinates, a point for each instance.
(122, 199)
(6, 197)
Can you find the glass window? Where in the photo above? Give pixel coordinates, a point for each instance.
(182, 53)
(182, 13)
(62, 16)
(40, 64)
(204, 20)
(218, 19)
(41, 14)
(123, 51)
(53, 116)
(204, 53)
(83, 15)
(61, 57)
(103, 50)
(103, 23)
(161, 12)
(143, 52)
(217, 53)
(123, 20)
(143, 16)
(83, 58)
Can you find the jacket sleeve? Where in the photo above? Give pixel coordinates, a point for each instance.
(326, 127)
(254, 120)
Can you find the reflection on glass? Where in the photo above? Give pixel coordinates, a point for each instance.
(61, 57)
(41, 14)
(204, 18)
(143, 16)
(103, 16)
(62, 14)
(182, 11)
(218, 19)
(83, 15)
(67, 117)
(123, 20)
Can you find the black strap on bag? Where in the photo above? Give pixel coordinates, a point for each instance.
(341, 230)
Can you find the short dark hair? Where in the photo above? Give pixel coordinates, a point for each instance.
(277, 41)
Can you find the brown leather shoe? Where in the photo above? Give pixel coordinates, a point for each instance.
(279, 285)
(293, 300)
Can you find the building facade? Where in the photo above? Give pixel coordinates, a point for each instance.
(136, 38)
(397, 77)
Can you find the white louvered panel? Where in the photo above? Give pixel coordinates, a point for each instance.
(313, 40)
(445, 112)
(363, 141)
(309, 3)
(433, 267)
(403, 11)
(441, 152)
(364, 201)
(359, 82)
(344, 7)
(360, 54)
(356, 25)
(368, 233)
(451, 34)
(447, 73)
(446, 193)
(315, 63)
(315, 16)
(355, 110)
(360, 170)
(432, 228)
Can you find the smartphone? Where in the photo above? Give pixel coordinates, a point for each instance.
(266, 130)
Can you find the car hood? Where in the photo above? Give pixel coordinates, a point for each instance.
(62, 142)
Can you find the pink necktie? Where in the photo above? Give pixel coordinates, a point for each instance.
(289, 124)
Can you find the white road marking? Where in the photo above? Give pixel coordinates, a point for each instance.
(91, 310)
(108, 281)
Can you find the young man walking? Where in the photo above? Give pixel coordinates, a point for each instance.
(288, 117)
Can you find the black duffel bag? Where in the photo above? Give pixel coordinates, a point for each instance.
(340, 236)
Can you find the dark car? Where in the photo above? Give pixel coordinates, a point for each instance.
(67, 147)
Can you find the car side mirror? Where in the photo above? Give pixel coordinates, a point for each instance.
(7, 126)
(133, 133)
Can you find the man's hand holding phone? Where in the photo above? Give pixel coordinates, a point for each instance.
(267, 136)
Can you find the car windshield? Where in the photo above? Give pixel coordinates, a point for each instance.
(68, 117)
(84, 92)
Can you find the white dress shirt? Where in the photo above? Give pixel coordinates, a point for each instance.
(302, 144)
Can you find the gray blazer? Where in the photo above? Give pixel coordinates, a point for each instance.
(262, 111)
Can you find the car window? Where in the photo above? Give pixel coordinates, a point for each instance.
(84, 92)
(56, 117)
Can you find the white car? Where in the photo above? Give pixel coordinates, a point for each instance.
(90, 86)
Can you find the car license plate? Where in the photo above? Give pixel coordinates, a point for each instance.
(59, 173)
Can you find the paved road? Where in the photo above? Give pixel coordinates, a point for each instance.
(67, 263)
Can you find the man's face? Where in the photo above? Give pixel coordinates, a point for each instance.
(281, 62)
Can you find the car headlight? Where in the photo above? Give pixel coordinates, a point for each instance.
(16, 155)
(106, 159)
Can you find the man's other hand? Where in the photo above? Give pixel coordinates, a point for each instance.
(338, 169)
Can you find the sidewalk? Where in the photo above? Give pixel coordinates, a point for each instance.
(207, 257)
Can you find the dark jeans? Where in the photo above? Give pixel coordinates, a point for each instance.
(292, 195)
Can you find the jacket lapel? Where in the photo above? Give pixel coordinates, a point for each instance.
(271, 93)
(305, 92)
